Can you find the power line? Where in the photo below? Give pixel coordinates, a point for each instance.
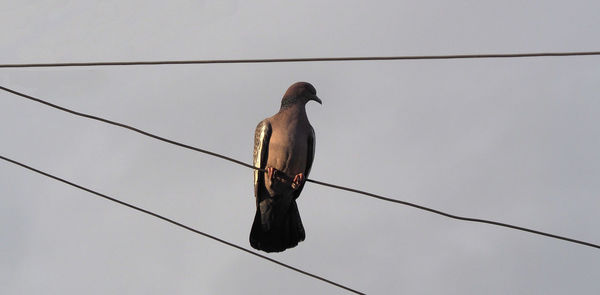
(288, 60)
(180, 225)
(130, 128)
(309, 180)
(455, 216)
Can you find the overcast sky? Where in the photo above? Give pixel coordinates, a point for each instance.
(512, 140)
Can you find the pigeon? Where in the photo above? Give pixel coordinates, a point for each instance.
(284, 147)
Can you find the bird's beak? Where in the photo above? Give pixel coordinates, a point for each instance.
(317, 99)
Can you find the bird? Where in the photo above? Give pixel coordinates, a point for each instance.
(284, 150)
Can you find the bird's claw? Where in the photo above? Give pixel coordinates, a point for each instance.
(298, 181)
(271, 173)
(276, 176)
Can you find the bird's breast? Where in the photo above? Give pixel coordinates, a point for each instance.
(288, 150)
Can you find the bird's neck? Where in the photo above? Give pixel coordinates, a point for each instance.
(295, 111)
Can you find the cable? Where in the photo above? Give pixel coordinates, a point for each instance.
(455, 216)
(180, 225)
(307, 59)
(131, 128)
(309, 180)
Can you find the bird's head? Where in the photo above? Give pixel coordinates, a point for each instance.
(299, 93)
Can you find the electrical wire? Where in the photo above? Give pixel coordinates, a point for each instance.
(309, 180)
(130, 128)
(307, 59)
(179, 224)
(455, 216)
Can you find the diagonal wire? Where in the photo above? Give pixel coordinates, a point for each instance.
(307, 59)
(130, 128)
(455, 216)
(309, 180)
(179, 225)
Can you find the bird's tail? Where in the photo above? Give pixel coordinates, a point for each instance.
(277, 234)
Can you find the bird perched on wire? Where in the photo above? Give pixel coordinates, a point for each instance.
(284, 147)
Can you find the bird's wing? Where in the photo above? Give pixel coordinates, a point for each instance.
(261, 153)
(309, 159)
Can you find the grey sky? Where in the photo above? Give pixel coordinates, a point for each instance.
(512, 140)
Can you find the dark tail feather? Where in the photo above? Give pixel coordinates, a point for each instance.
(286, 233)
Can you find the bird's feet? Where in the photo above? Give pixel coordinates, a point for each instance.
(271, 173)
(298, 181)
(276, 176)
